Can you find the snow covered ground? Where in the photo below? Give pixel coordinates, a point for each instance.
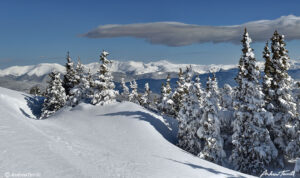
(116, 140)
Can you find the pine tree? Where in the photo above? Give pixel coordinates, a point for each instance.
(267, 72)
(104, 92)
(177, 96)
(145, 99)
(226, 114)
(285, 132)
(188, 117)
(35, 90)
(210, 125)
(70, 77)
(134, 95)
(55, 96)
(168, 86)
(166, 105)
(79, 70)
(227, 97)
(253, 148)
(199, 91)
(91, 83)
(80, 91)
(296, 93)
(213, 88)
(125, 90)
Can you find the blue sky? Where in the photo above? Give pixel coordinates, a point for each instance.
(34, 31)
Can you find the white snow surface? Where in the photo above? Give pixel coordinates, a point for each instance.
(115, 140)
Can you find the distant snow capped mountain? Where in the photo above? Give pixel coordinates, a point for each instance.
(37, 70)
(128, 67)
(163, 66)
(125, 67)
(22, 78)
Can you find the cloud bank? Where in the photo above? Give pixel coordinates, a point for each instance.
(180, 34)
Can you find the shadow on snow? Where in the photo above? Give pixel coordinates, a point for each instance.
(167, 133)
(195, 166)
(35, 103)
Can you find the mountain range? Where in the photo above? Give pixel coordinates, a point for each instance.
(22, 78)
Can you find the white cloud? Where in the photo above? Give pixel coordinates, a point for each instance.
(180, 34)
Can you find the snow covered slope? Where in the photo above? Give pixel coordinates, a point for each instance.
(117, 140)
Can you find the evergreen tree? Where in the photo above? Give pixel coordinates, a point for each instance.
(155, 103)
(226, 114)
(199, 91)
(55, 96)
(70, 77)
(134, 95)
(80, 91)
(35, 90)
(253, 148)
(227, 97)
(163, 92)
(285, 132)
(189, 117)
(267, 73)
(296, 93)
(168, 86)
(213, 88)
(125, 92)
(210, 125)
(79, 70)
(166, 104)
(104, 92)
(177, 96)
(145, 99)
(91, 83)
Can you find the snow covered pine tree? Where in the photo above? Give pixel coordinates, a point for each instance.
(226, 114)
(104, 92)
(188, 117)
(253, 148)
(79, 91)
(145, 98)
(166, 105)
(55, 96)
(199, 91)
(177, 96)
(227, 97)
(134, 95)
(125, 90)
(210, 124)
(70, 77)
(90, 92)
(278, 91)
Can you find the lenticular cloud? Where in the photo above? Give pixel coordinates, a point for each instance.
(181, 34)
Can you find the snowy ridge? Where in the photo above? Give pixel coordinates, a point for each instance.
(38, 70)
(164, 67)
(133, 67)
(116, 140)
